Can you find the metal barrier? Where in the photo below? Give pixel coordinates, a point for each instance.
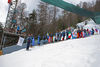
(1, 31)
(8, 50)
(13, 48)
(8, 39)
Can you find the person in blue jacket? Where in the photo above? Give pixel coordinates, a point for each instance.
(39, 40)
(28, 42)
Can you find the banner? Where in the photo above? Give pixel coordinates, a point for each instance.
(20, 41)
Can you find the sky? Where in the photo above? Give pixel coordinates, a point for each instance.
(31, 4)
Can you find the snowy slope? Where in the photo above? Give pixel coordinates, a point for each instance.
(90, 24)
(83, 52)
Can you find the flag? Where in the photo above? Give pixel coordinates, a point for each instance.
(77, 35)
(61, 38)
(83, 34)
(20, 41)
(49, 39)
(96, 32)
(65, 37)
(73, 35)
(38, 40)
(69, 35)
(9, 1)
(99, 31)
(33, 42)
(53, 38)
(1, 53)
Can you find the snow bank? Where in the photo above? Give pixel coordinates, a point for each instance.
(83, 52)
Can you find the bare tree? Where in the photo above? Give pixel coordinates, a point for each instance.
(21, 15)
(42, 17)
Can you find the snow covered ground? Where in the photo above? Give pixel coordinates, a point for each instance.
(84, 52)
(89, 24)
